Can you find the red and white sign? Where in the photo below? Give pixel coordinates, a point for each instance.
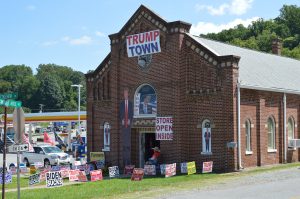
(143, 43)
(137, 174)
(82, 177)
(73, 175)
(170, 170)
(96, 175)
(128, 170)
(164, 128)
(207, 167)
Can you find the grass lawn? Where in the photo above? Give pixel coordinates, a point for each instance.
(117, 188)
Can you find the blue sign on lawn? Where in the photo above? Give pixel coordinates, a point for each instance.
(8, 178)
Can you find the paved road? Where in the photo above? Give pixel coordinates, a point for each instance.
(283, 184)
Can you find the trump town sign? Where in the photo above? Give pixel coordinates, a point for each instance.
(143, 43)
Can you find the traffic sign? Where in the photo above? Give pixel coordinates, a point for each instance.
(13, 103)
(9, 96)
(19, 124)
(2, 102)
(18, 147)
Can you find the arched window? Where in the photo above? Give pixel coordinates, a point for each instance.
(248, 135)
(291, 128)
(271, 133)
(106, 136)
(145, 101)
(206, 137)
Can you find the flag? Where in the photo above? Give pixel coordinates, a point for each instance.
(26, 141)
(47, 139)
(58, 139)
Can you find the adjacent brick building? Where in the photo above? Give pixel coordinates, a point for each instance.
(241, 97)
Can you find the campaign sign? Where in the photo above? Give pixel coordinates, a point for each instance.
(13, 170)
(38, 164)
(1, 170)
(137, 174)
(32, 169)
(43, 174)
(8, 178)
(96, 156)
(150, 170)
(82, 177)
(207, 167)
(55, 168)
(162, 169)
(191, 167)
(128, 170)
(113, 171)
(183, 167)
(54, 179)
(85, 168)
(170, 170)
(164, 128)
(92, 167)
(100, 164)
(143, 43)
(23, 169)
(96, 175)
(73, 175)
(77, 163)
(34, 179)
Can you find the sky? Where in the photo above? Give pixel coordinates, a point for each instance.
(74, 33)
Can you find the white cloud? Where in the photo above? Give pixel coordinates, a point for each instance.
(235, 7)
(100, 34)
(205, 27)
(84, 40)
(30, 7)
(49, 43)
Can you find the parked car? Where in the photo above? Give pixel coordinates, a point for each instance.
(49, 155)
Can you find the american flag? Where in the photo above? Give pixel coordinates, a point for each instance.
(26, 141)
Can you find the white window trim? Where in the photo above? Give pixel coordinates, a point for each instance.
(249, 152)
(206, 153)
(272, 150)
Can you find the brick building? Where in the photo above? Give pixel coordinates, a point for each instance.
(243, 98)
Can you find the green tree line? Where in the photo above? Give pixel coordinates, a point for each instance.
(50, 88)
(260, 33)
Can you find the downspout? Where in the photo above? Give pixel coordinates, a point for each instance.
(239, 126)
(284, 127)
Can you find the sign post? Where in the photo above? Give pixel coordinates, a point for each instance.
(6, 100)
(19, 127)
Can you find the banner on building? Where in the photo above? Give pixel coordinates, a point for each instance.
(143, 43)
(150, 170)
(207, 167)
(96, 156)
(114, 171)
(54, 179)
(34, 179)
(191, 168)
(164, 128)
(170, 170)
(96, 175)
(137, 174)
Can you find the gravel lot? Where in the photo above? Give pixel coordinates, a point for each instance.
(279, 184)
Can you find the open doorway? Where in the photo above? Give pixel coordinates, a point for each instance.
(147, 142)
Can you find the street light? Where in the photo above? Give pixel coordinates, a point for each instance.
(78, 85)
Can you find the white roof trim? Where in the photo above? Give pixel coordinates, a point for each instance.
(278, 90)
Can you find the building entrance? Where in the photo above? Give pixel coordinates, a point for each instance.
(147, 142)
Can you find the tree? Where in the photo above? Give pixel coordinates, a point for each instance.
(290, 16)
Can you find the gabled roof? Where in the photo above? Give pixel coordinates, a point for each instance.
(258, 70)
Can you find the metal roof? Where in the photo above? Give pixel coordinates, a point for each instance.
(258, 70)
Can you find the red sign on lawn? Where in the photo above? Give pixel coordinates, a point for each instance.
(82, 177)
(207, 167)
(96, 175)
(170, 170)
(73, 175)
(128, 170)
(137, 174)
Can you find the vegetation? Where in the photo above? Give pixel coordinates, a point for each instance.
(148, 187)
(51, 87)
(260, 33)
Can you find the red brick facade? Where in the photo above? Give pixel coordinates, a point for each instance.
(192, 84)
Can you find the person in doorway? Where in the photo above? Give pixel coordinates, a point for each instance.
(145, 107)
(126, 116)
(154, 157)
